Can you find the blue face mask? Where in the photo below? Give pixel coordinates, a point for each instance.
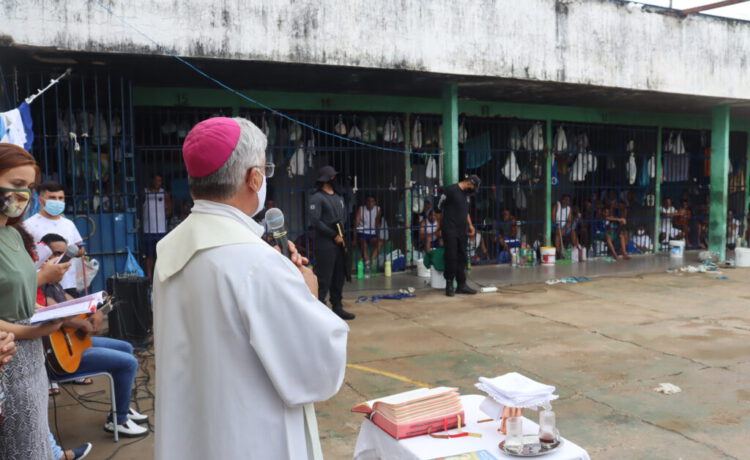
(54, 207)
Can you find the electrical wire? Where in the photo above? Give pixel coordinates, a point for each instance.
(254, 101)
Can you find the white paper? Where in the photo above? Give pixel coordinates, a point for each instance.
(70, 308)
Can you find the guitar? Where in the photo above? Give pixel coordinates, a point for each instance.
(64, 347)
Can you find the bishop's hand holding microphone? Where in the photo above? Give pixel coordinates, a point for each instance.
(276, 228)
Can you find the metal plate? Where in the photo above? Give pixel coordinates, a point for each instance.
(532, 450)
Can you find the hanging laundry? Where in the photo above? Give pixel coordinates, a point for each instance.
(369, 130)
(631, 169)
(611, 163)
(676, 167)
(397, 136)
(582, 143)
(431, 172)
(519, 195)
(478, 151)
(310, 153)
(354, 132)
(515, 142)
(669, 143)
(100, 131)
(416, 134)
(679, 145)
(652, 167)
(591, 162)
(579, 169)
(462, 132)
(295, 132)
(297, 162)
(534, 139)
(511, 170)
(561, 140)
(340, 128)
(18, 126)
(630, 146)
(387, 131)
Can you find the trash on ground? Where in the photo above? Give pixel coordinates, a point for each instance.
(569, 280)
(401, 294)
(722, 277)
(488, 289)
(668, 389)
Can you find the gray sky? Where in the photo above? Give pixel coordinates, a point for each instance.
(739, 11)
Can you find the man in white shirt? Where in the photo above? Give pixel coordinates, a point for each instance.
(641, 240)
(157, 209)
(243, 345)
(50, 219)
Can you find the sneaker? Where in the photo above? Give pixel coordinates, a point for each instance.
(81, 451)
(128, 429)
(136, 416)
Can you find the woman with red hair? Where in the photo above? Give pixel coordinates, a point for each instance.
(24, 426)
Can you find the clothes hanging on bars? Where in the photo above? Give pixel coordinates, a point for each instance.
(534, 138)
(561, 140)
(478, 151)
(416, 134)
(676, 167)
(431, 171)
(631, 169)
(511, 170)
(515, 142)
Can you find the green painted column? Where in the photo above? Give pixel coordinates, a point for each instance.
(717, 226)
(657, 189)
(407, 188)
(450, 133)
(548, 187)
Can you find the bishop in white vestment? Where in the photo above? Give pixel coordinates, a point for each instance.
(242, 343)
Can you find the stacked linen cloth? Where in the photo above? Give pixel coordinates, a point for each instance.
(516, 390)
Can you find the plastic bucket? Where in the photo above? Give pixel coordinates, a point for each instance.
(676, 248)
(742, 257)
(437, 281)
(422, 271)
(548, 255)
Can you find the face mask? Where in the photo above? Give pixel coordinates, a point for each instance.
(14, 201)
(261, 197)
(54, 207)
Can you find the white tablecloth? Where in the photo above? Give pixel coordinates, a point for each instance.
(374, 443)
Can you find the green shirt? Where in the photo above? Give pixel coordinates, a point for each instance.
(17, 277)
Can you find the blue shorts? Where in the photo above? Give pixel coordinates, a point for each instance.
(149, 243)
(366, 236)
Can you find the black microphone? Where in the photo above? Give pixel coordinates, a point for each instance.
(275, 225)
(70, 253)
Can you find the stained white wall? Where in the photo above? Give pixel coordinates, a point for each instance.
(595, 42)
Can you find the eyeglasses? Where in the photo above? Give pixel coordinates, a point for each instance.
(269, 168)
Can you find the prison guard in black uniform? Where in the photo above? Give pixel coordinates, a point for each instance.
(327, 209)
(453, 206)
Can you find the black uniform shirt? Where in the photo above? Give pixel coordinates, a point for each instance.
(454, 206)
(325, 211)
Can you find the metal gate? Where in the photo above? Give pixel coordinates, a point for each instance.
(84, 139)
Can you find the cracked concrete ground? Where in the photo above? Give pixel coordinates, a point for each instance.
(605, 344)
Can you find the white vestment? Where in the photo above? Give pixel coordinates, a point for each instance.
(241, 343)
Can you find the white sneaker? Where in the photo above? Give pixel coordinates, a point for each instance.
(128, 429)
(136, 416)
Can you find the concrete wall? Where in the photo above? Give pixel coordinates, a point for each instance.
(595, 42)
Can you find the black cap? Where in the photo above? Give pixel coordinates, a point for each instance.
(474, 179)
(326, 173)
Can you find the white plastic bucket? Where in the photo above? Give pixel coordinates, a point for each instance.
(548, 256)
(676, 248)
(437, 281)
(742, 257)
(422, 271)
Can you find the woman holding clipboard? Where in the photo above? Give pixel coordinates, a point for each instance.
(24, 426)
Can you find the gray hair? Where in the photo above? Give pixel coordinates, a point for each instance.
(224, 182)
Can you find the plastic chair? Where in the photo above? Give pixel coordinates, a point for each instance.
(83, 375)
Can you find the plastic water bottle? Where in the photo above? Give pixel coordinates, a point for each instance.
(388, 268)
(360, 270)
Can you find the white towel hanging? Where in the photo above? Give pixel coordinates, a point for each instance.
(416, 135)
(295, 132)
(652, 166)
(398, 132)
(297, 162)
(561, 140)
(388, 130)
(510, 169)
(431, 170)
(534, 138)
(631, 169)
(679, 146)
(340, 128)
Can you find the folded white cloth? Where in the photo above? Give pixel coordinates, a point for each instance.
(516, 390)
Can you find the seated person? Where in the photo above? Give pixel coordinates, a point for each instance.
(508, 230)
(368, 222)
(681, 221)
(429, 231)
(733, 230)
(641, 241)
(607, 230)
(669, 231)
(107, 355)
(476, 248)
(563, 221)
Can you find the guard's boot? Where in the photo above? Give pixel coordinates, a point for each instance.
(465, 289)
(343, 314)
(449, 290)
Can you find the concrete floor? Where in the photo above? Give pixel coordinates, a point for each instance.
(605, 344)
